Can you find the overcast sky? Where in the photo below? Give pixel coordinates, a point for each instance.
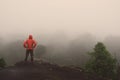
(72, 17)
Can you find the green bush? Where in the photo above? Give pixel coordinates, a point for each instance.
(2, 63)
(101, 62)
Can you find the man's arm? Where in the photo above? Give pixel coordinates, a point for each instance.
(34, 43)
(25, 42)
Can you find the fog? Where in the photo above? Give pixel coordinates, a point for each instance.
(65, 30)
(45, 17)
(60, 50)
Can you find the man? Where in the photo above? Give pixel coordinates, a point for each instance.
(30, 44)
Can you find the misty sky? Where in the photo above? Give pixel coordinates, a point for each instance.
(72, 17)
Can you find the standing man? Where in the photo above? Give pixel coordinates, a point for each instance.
(30, 44)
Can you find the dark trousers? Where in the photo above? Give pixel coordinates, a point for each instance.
(27, 54)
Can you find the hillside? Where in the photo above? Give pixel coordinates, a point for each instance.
(42, 71)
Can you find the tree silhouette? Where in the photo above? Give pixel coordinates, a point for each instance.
(40, 50)
(101, 62)
(2, 63)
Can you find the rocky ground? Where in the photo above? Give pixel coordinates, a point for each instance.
(43, 71)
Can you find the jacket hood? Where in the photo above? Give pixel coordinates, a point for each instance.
(30, 37)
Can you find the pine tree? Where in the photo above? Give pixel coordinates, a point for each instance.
(101, 62)
(2, 63)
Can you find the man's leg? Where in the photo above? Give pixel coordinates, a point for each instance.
(27, 54)
(32, 55)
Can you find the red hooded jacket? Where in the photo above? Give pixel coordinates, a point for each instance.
(30, 44)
